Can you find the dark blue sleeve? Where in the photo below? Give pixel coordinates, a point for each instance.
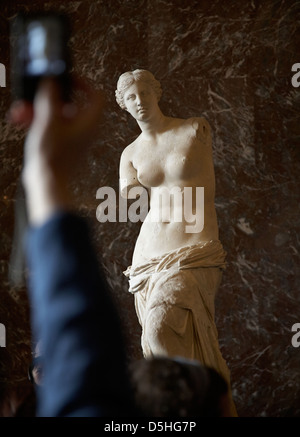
(74, 318)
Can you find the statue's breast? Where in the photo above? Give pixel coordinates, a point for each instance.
(150, 174)
(175, 158)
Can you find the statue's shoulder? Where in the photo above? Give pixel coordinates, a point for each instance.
(198, 122)
(194, 126)
(201, 128)
(129, 150)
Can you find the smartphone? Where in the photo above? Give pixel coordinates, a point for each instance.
(40, 49)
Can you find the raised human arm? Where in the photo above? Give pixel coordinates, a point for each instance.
(72, 313)
(57, 139)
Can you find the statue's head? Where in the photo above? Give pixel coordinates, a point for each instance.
(128, 78)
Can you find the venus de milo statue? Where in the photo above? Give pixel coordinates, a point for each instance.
(178, 259)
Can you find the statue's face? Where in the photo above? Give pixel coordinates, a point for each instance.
(141, 101)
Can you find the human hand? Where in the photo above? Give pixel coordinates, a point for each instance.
(59, 134)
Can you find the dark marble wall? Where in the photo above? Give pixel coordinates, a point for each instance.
(231, 62)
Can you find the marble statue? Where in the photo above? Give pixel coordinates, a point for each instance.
(177, 263)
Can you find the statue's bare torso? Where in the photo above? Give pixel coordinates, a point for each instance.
(180, 156)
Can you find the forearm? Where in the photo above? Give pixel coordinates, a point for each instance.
(75, 320)
(72, 314)
(55, 147)
(45, 193)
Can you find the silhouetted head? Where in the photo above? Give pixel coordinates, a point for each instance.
(170, 387)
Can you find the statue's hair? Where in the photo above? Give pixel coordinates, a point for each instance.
(128, 78)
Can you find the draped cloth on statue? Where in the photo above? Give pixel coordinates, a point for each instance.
(174, 301)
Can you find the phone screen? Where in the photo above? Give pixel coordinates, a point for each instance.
(43, 51)
(40, 49)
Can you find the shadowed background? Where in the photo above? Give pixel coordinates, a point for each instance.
(231, 63)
